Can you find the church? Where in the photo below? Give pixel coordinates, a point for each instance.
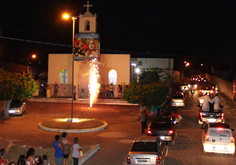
(69, 70)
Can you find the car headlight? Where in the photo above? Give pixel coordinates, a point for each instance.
(14, 110)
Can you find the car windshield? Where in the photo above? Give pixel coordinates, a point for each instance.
(15, 103)
(144, 147)
(177, 97)
(220, 132)
(160, 126)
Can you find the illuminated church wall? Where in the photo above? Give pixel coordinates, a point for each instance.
(119, 62)
(58, 64)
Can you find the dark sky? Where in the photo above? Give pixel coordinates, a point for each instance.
(185, 28)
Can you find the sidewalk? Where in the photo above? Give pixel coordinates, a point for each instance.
(230, 104)
(111, 101)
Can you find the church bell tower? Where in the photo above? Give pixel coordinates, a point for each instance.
(88, 23)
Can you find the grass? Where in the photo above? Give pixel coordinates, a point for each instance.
(14, 153)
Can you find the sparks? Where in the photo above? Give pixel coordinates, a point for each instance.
(93, 80)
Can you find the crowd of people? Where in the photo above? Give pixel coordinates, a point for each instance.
(62, 152)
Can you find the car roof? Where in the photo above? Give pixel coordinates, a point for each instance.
(161, 120)
(222, 125)
(177, 96)
(206, 87)
(147, 139)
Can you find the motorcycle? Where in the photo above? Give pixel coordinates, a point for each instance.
(173, 114)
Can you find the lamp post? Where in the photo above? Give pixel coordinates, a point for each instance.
(66, 16)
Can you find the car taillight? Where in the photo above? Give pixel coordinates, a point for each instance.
(222, 116)
(200, 114)
(170, 132)
(149, 132)
(158, 160)
(207, 138)
(232, 140)
(128, 160)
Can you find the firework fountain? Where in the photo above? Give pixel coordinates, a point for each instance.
(93, 80)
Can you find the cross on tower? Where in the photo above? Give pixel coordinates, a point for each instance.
(88, 5)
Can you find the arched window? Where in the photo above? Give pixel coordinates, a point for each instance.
(64, 76)
(112, 77)
(87, 25)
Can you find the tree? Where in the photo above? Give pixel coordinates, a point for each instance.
(151, 89)
(15, 86)
(146, 94)
(152, 75)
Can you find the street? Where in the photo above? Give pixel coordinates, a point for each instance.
(123, 127)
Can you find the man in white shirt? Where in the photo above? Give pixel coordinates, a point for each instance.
(206, 101)
(216, 100)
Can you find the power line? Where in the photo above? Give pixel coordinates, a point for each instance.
(133, 53)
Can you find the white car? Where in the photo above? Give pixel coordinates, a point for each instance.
(17, 107)
(177, 100)
(218, 138)
(147, 150)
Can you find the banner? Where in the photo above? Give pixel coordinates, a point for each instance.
(87, 45)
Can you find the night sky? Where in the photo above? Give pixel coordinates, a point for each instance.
(186, 29)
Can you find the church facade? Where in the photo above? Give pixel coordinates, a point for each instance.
(64, 69)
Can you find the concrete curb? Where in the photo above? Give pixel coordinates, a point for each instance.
(86, 156)
(89, 154)
(104, 126)
(81, 101)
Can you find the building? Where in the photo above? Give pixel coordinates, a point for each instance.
(114, 68)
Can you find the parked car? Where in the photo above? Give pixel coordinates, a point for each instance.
(163, 128)
(17, 107)
(147, 150)
(177, 100)
(218, 138)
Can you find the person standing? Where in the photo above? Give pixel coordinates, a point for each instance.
(111, 90)
(74, 92)
(55, 89)
(107, 90)
(66, 147)
(143, 120)
(146, 118)
(216, 101)
(58, 151)
(76, 151)
(48, 91)
(206, 101)
(153, 111)
(120, 91)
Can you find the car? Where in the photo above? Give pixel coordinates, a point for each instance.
(194, 78)
(164, 128)
(17, 107)
(218, 138)
(206, 90)
(215, 88)
(211, 116)
(177, 100)
(147, 150)
(184, 87)
(192, 84)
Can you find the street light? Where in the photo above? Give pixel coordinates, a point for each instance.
(33, 56)
(66, 16)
